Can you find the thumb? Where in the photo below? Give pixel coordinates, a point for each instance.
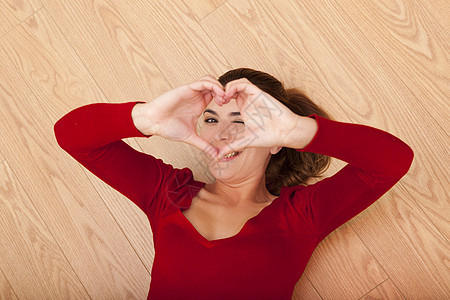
(229, 148)
(203, 145)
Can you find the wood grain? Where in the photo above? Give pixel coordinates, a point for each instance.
(71, 87)
(439, 11)
(123, 53)
(6, 290)
(380, 63)
(246, 28)
(36, 4)
(29, 254)
(132, 221)
(174, 39)
(305, 290)
(111, 52)
(339, 252)
(137, 79)
(63, 196)
(12, 12)
(238, 27)
(183, 53)
(415, 45)
(343, 55)
(411, 250)
(202, 8)
(386, 290)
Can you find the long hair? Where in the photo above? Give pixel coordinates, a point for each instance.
(288, 167)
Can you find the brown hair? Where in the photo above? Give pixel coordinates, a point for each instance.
(288, 167)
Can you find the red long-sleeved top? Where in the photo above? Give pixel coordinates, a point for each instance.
(267, 257)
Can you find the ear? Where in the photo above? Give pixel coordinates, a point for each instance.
(275, 150)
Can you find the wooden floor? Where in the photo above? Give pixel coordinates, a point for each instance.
(65, 234)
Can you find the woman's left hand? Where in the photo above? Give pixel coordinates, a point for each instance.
(268, 122)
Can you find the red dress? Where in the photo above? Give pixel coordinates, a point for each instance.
(267, 257)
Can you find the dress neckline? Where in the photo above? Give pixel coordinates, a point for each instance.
(210, 243)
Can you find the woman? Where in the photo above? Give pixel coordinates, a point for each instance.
(250, 233)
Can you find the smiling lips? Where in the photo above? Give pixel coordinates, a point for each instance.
(231, 156)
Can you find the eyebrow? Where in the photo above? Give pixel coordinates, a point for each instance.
(233, 113)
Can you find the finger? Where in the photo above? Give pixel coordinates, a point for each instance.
(237, 145)
(208, 96)
(211, 78)
(204, 85)
(218, 98)
(243, 87)
(235, 82)
(204, 146)
(240, 80)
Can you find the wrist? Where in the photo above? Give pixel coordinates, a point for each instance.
(140, 118)
(304, 131)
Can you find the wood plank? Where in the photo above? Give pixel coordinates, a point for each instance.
(342, 267)
(348, 61)
(386, 290)
(100, 23)
(234, 34)
(80, 222)
(305, 290)
(238, 28)
(202, 8)
(6, 290)
(111, 52)
(12, 12)
(439, 10)
(412, 252)
(414, 44)
(342, 66)
(29, 255)
(37, 4)
(132, 221)
(244, 27)
(79, 93)
(387, 86)
(175, 40)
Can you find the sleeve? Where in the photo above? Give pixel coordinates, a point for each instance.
(376, 161)
(92, 135)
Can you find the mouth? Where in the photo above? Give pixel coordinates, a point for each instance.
(231, 156)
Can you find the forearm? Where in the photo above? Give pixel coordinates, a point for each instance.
(92, 126)
(379, 154)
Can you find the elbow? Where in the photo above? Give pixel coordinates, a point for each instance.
(403, 161)
(61, 138)
(396, 166)
(409, 159)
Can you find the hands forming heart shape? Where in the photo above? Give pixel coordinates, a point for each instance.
(174, 115)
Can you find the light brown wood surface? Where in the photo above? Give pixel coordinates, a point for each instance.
(67, 235)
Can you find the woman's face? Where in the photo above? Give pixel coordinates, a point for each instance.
(220, 125)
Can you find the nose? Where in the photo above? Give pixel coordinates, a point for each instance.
(227, 133)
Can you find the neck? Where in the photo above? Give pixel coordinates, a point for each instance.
(240, 194)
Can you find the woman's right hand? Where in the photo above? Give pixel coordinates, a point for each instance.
(174, 114)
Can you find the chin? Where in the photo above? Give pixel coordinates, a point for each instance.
(223, 171)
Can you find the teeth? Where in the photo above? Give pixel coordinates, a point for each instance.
(231, 154)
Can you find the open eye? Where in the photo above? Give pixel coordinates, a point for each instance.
(207, 120)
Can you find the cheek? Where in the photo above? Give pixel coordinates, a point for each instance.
(206, 131)
(201, 130)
